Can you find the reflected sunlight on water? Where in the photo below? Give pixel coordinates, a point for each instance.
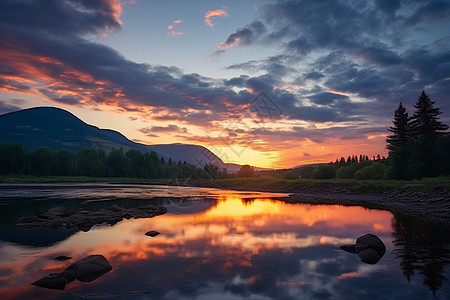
(233, 244)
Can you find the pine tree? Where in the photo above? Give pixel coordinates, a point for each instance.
(401, 131)
(425, 121)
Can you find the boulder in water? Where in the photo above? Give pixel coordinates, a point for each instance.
(369, 248)
(85, 270)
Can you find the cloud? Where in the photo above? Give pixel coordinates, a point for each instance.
(244, 36)
(10, 105)
(379, 51)
(168, 128)
(214, 13)
(173, 29)
(326, 98)
(61, 17)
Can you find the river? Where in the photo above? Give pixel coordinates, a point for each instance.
(219, 244)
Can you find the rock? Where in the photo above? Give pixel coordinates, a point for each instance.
(370, 241)
(369, 248)
(85, 270)
(85, 224)
(59, 211)
(113, 220)
(62, 258)
(67, 217)
(369, 256)
(349, 248)
(115, 208)
(152, 233)
(52, 281)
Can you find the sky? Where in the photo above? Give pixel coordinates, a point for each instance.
(272, 84)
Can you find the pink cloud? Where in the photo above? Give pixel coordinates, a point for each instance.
(173, 31)
(229, 43)
(214, 13)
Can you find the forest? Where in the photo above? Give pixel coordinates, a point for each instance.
(95, 162)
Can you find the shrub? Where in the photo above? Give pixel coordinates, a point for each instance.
(344, 173)
(374, 171)
(326, 172)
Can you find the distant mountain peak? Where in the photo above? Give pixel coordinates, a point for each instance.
(57, 128)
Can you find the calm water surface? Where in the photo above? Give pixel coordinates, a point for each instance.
(217, 244)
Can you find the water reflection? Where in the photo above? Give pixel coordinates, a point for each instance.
(230, 246)
(422, 249)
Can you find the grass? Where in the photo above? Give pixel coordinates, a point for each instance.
(352, 184)
(262, 183)
(74, 179)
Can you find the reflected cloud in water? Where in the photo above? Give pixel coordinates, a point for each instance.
(232, 245)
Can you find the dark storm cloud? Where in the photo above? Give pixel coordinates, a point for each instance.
(379, 50)
(327, 98)
(45, 42)
(362, 48)
(236, 81)
(61, 17)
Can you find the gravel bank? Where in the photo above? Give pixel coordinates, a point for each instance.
(432, 204)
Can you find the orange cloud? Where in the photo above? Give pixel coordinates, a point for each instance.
(173, 31)
(54, 80)
(214, 13)
(226, 45)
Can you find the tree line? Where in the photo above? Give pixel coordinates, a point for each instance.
(17, 160)
(418, 145)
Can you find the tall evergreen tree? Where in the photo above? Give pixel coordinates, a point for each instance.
(401, 129)
(425, 121)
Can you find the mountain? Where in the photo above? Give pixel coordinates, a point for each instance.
(57, 128)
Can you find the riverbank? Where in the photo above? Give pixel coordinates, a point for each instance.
(428, 198)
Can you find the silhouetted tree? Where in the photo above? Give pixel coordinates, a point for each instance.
(425, 121)
(42, 161)
(305, 172)
(418, 148)
(325, 172)
(212, 170)
(246, 171)
(91, 162)
(401, 131)
(66, 162)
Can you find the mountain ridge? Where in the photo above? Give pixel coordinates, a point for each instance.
(57, 128)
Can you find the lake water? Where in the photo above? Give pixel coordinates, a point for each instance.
(219, 244)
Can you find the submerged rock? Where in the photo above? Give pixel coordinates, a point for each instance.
(66, 217)
(62, 258)
(85, 270)
(52, 281)
(369, 248)
(152, 233)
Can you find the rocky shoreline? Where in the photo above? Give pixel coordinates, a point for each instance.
(432, 204)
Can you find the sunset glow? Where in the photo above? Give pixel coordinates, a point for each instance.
(177, 72)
